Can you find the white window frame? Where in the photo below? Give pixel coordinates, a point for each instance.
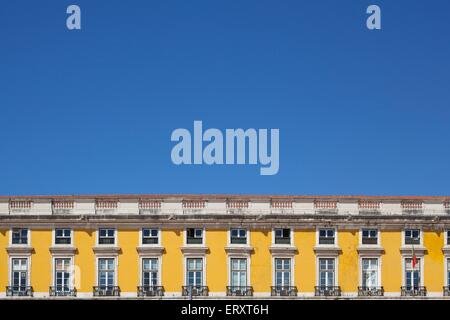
(243, 256)
(291, 236)
(292, 280)
(247, 232)
(185, 271)
(10, 268)
(20, 244)
(446, 232)
(336, 269)
(63, 244)
(336, 240)
(141, 234)
(422, 273)
(361, 268)
(97, 237)
(420, 235)
(116, 269)
(361, 236)
(195, 244)
(141, 269)
(446, 263)
(72, 269)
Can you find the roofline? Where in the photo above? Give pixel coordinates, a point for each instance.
(221, 196)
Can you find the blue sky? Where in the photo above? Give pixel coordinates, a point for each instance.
(92, 111)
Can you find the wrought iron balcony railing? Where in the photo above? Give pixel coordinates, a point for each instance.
(446, 291)
(410, 291)
(19, 291)
(195, 291)
(239, 291)
(106, 291)
(283, 291)
(150, 291)
(62, 291)
(364, 291)
(327, 291)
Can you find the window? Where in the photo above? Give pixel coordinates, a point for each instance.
(150, 236)
(63, 236)
(326, 236)
(19, 236)
(150, 272)
(412, 273)
(19, 274)
(448, 237)
(106, 236)
(194, 236)
(326, 272)
(63, 275)
(106, 272)
(282, 236)
(282, 272)
(238, 272)
(194, 271)
(448, 273)
(369, 236)
(238, 236)
(412, 236)
(369, 272)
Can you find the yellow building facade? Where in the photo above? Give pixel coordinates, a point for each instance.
(218, 246)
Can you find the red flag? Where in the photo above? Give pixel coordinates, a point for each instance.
(414, 258)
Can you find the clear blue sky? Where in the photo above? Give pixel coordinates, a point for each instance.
(92, 111)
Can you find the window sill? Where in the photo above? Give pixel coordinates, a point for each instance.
(193, 249)
(20, 249)
(106, 249)
(408, 249)
(370, 249)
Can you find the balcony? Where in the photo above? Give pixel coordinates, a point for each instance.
(327, 291)
(19, 291)
(446, 291)
(150, 291)
(62, 291)
(195, 291)
(106, 291)
(370, 291)
(242, 291)
(283, 291)
(409, 291)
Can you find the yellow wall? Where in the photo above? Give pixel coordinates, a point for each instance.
(391, 261)
(305, 260)
(261, 261)
(261, 268)
(348, 260)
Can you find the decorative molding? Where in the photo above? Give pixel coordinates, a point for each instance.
(16, 250)
(193, 250)
(370, 250)
(239, 249)
(106, 250)
(283, 250)
(445, 250)
(150, 250)
(69, 250)
(408, 250)
(327, 250)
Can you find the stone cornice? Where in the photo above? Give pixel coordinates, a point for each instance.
(327, 250)
(18, 249)
(194, 250)
(283, 250)
(236, 249)
(150, 250)
(69, 250)
(408, 250)
(106, 250)
(446, 250)
(370, 250)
